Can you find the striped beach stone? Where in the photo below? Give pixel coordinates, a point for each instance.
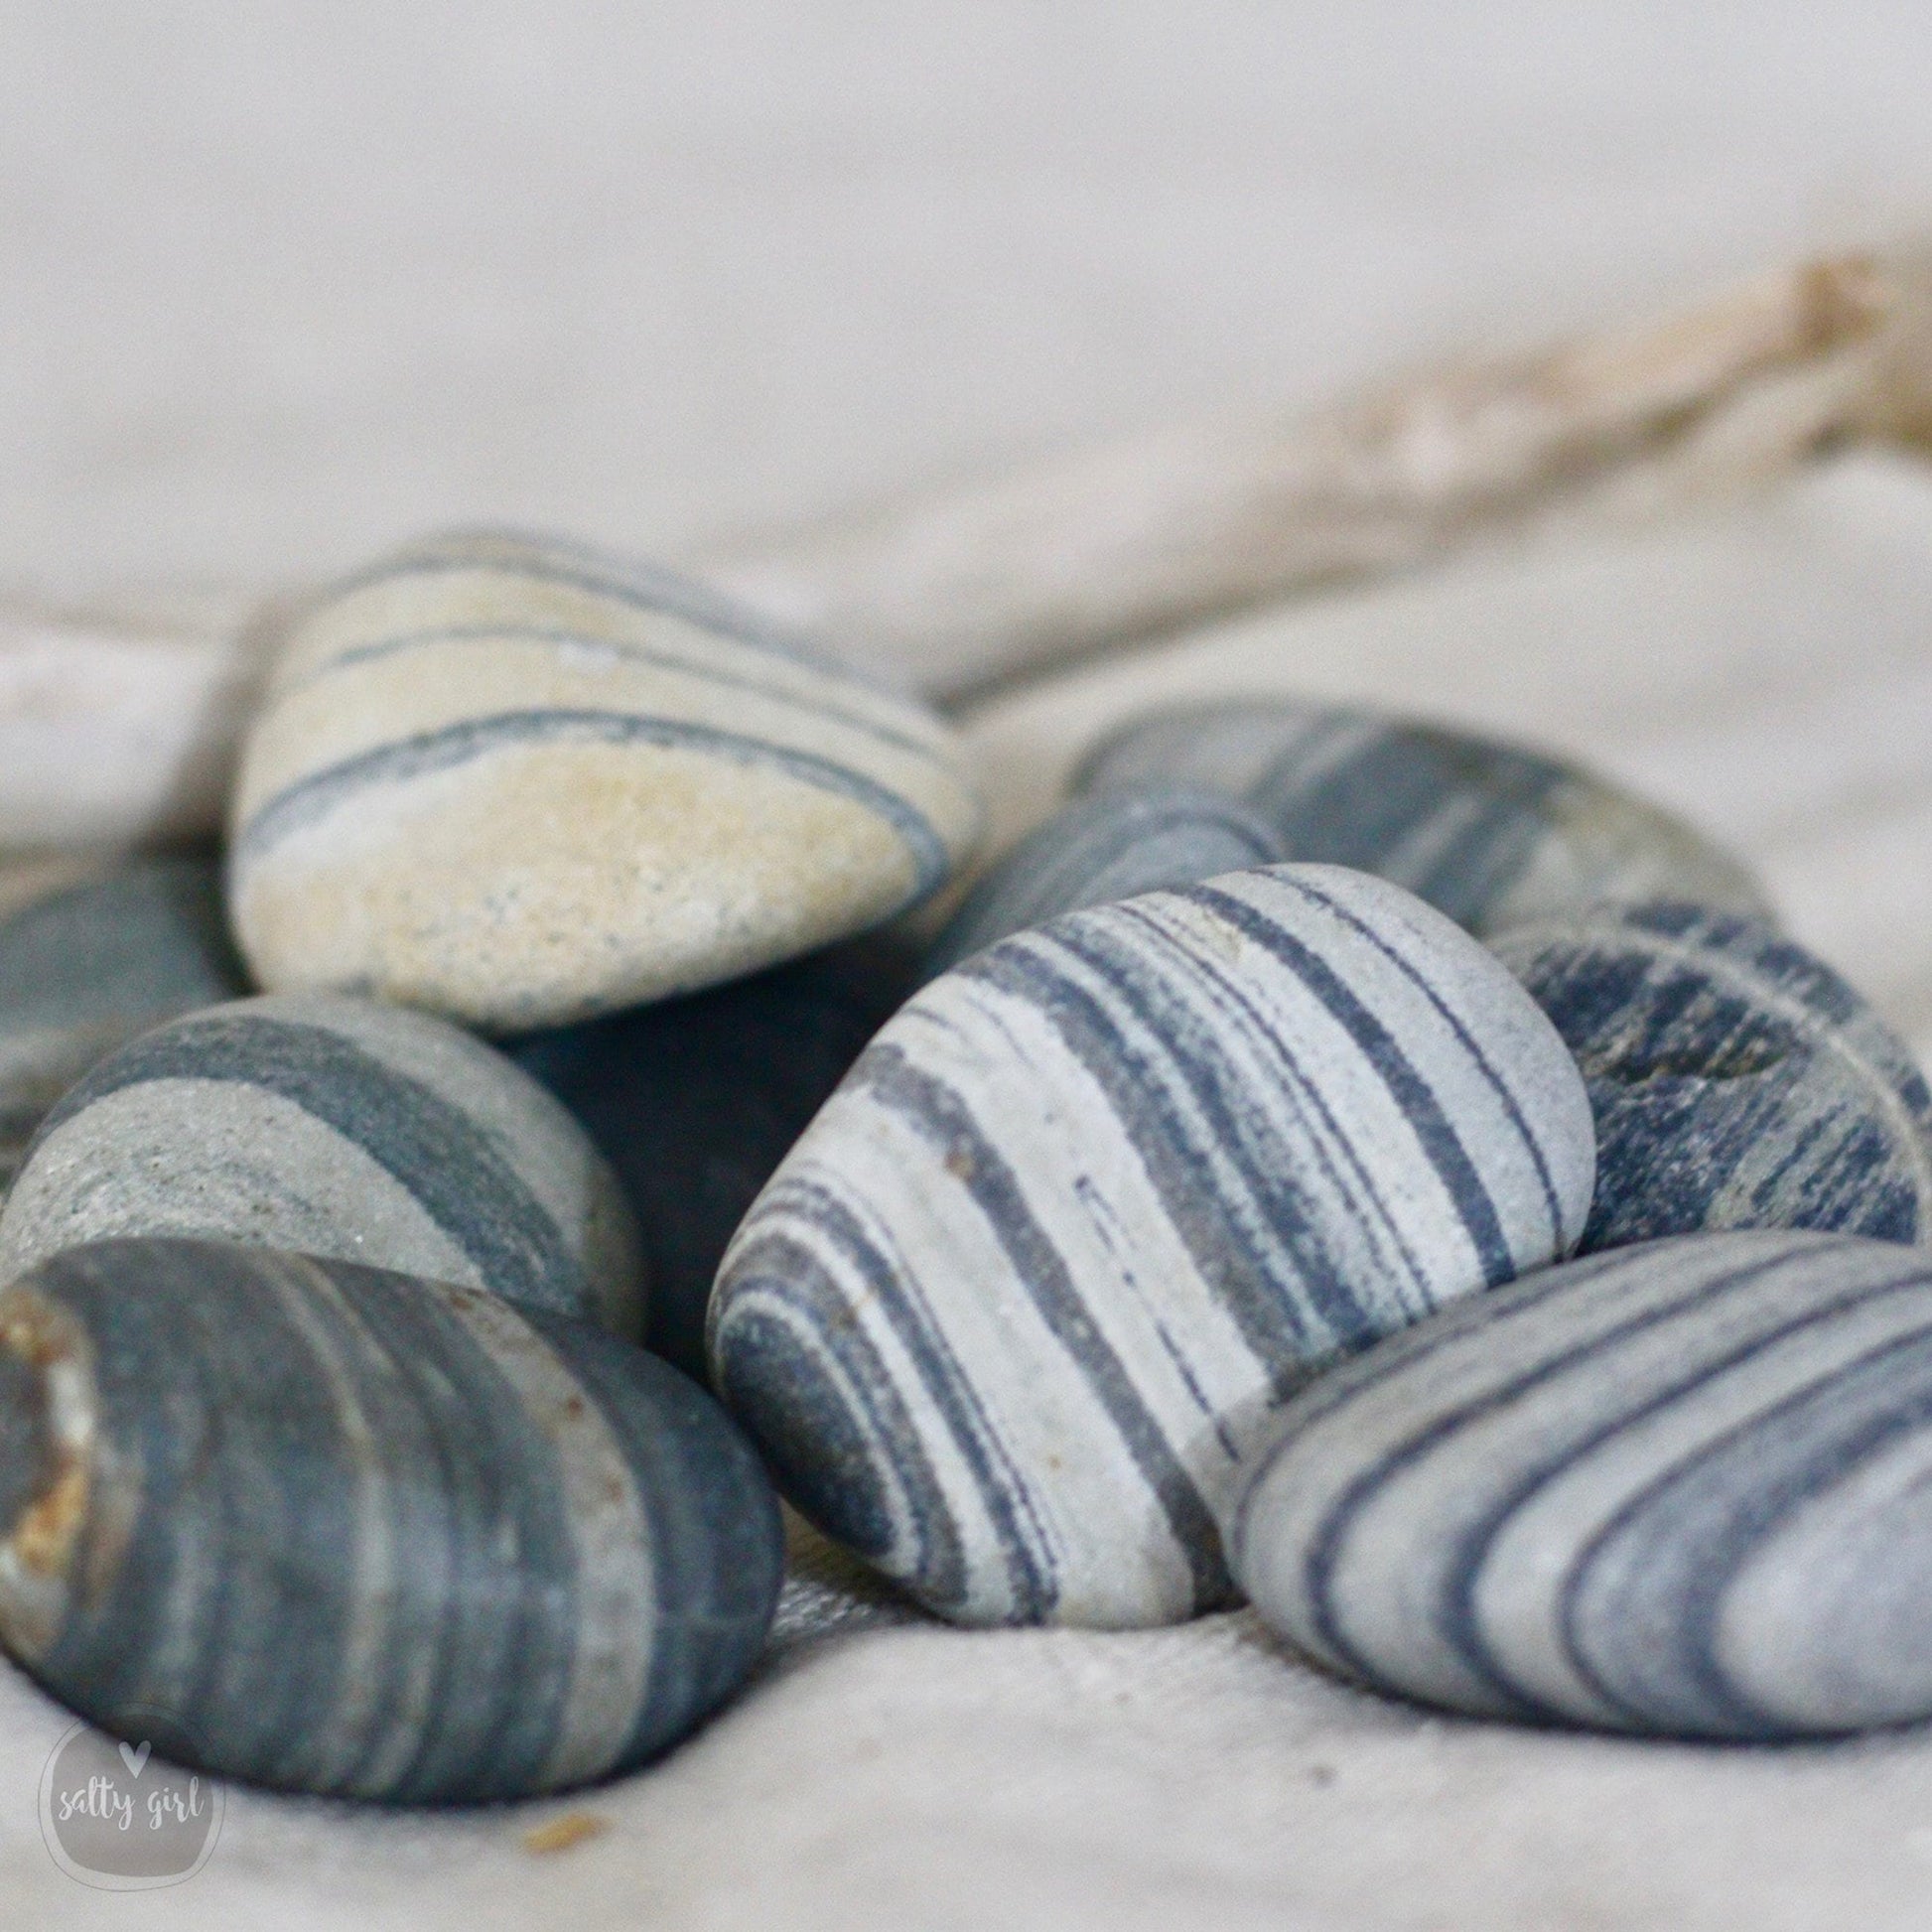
(363, 1535)
(1489, 832)
(335, 1127)
(1684, 1488)
(1117, 845)
(520, 782)
(1011, 1313)
(90, 955)
(695, 1101)
(1736, 1081)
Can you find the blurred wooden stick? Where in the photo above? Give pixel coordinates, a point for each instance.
(1136, 538)
(118, 717)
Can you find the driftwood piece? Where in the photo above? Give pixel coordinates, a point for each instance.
(118, 716)
(957, 591)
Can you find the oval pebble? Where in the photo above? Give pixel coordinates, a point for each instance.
(1736, 1081)
(335, 1127)
(1684, 1488)
(88, 958)
(1013, 1308)
(518, 782)
(1486, 831)
(1118, 845)
(695, 1101)
(363, 1535)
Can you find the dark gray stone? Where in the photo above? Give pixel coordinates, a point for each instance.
(1736, 1081)
(1137, 839)
(1489, 832)
(695, 1101)
(363, 1535)
(89, 960)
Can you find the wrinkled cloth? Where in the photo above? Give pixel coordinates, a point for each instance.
(1770, 673)
(285, 286)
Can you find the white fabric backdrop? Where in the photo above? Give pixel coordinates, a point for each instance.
(285, 279)
(281, 283)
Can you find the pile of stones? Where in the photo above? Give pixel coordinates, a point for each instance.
(1361, 1166)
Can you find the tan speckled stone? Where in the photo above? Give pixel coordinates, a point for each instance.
(517, 782)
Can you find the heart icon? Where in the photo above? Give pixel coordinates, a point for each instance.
(136, 1761)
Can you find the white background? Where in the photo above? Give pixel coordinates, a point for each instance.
(280, 283)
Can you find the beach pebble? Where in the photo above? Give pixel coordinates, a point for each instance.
(1486, 831)
(1096, 850)
(365, 1534)
(335, 1127)
(1010, 1313)
(91, 955)
(1735, 1079)
(695, 1101)
(1684, 1488)
(518, 782)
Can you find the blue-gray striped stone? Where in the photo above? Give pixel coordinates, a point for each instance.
(1736, 1081)
(1011, 1310)
(520, 782)
(90, 958)
(363, 1535)
(1138, 839)
(695, 1101)
(1684, 1488)
(1489, 832)
(335, 1127)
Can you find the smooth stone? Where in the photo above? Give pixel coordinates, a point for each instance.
(695, 1101)
(1736, 1081)
(1486, 831)
(1684, 1488)
(340, 1128)
(1096, 850)
(1008, 1316)
(92, 956)
(363, 1535)
(520, 782)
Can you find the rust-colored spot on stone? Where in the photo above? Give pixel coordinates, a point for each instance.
(47, 1478)
(45, 1536)
(32, 1329)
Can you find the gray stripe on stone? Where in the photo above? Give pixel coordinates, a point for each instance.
(1677, 1488)
(1008, 1316)
(336, 787)
(297, 1464)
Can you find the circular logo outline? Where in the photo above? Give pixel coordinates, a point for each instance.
(121, 1882)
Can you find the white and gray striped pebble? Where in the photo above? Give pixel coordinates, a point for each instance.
(1489, 832)
(363, 1535)
(1137, 839)
(1684, 1488)
(520, 783)
(91, 956)
(335, 1127)
(1736, 1081)
(1013, 1310)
